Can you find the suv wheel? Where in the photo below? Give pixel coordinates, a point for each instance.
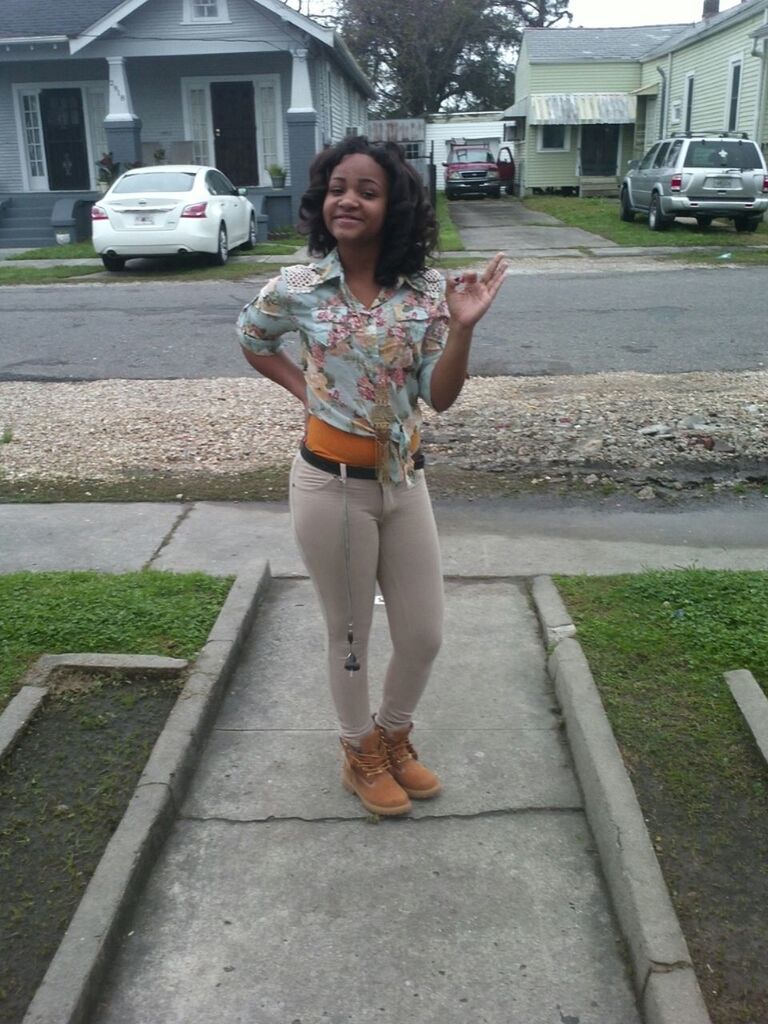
(626, 213)
(656, 220)
(747, 223)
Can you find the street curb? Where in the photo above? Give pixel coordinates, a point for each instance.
(71, 985)
(665, 981)
(753, 705)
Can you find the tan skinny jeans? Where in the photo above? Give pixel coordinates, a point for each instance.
(392, 540)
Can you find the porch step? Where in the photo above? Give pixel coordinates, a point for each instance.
(598, 186)
(25, 220)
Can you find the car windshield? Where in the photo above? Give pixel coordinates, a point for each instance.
(724, 153)
(156, 181)
(471, 156)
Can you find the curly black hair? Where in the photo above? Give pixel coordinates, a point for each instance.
(409, 233)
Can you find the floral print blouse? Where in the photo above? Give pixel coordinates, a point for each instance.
(359, 363)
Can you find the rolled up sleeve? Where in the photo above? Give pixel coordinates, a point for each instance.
(431, 350)
(264, 321)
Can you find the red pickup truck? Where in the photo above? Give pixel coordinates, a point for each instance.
(471, 169)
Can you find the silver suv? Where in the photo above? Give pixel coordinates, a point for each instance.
(704, 175)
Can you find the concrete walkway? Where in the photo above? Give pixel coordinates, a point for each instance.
(275, 900)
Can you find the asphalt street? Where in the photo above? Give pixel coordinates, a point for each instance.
(549, 322)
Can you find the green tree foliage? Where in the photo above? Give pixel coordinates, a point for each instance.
(429, 55)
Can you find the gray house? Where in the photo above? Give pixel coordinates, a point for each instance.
(238, 84)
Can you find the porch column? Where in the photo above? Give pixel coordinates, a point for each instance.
(121, 126)
(302, 127)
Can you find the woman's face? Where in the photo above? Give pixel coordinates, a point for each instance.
(355, 204)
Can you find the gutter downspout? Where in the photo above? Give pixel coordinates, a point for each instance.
(759, 51)
(663, 103)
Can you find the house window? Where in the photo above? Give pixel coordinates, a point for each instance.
(412, 150)
(554, 138)
(734, 92)
(207, 11)
(688, 102)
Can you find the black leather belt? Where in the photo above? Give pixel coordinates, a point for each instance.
(354, 472)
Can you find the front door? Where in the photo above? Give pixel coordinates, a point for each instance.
(66, 152)
(234, 131)
(599, 150)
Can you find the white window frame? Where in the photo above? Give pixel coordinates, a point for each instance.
(566, 146)
(259, 81)
(675, 111)
(96, 89)
(733, 63)
(220, 18)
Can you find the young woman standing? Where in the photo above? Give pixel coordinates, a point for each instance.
(379, 331)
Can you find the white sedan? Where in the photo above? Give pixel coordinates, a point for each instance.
(171, 210)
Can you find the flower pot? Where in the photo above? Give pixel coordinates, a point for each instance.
(278, 180)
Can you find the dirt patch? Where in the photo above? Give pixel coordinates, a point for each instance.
(63, 791)
(716, 867)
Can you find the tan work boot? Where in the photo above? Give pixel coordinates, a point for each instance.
(417, 780)
(366, 773)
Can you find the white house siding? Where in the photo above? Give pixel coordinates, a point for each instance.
(439, 132)
(709, 61)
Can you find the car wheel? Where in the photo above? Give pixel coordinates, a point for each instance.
(253, 235)
(221, 255)
(704, 221)
(656, 220)
(626, 213)
(747, 223)
(496, 194)
(113, 262)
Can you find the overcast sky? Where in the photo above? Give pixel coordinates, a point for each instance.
(599, 13)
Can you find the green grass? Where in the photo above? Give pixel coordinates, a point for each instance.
(85, 250)
(44, 275)
(600, 215)
(723, 257)
(133, 613)
(658, 644)
(73, 251)
(450, 240)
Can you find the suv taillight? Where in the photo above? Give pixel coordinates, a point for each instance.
(765, 183)
(676, 182)
(195, 210)
(98, 213)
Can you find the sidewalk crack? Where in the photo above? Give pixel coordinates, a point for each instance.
(170, 534)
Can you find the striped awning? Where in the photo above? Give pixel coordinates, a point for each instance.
(582, 108)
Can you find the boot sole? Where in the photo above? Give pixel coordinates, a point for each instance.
(374, 808)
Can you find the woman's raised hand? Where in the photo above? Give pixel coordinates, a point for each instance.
(469, 294)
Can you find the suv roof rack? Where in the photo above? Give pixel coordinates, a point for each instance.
(719, 134)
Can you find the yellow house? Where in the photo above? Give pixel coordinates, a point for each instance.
(590, 99)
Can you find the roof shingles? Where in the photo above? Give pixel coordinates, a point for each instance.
(587, 44)
(19, 18)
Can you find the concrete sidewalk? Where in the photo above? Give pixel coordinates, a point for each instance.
(275, 900)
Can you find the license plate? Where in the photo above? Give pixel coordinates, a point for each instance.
(143, 218)
(723, 183)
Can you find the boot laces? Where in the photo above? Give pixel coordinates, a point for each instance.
(375, 763)
(400, 749)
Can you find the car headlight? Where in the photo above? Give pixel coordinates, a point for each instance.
(454, 176)
(493, 175)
